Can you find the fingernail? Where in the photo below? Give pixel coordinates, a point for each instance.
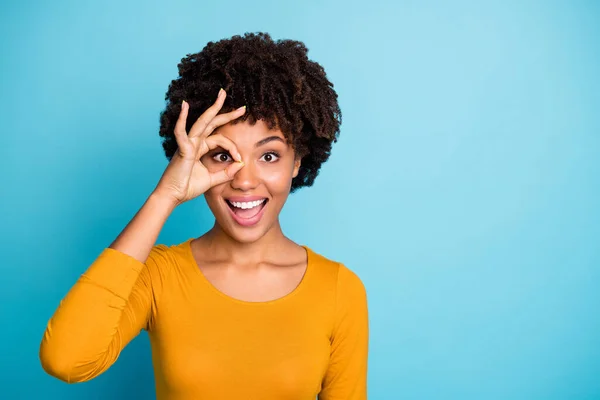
(241, 108)
(182, 103)
(241, 162)
(221, 91)
(239, 156)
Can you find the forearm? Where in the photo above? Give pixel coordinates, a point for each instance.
(139, 236)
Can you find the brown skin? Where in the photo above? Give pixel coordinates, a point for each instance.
(256, 263)
(186, 177)
(271, 275)
(268, 172)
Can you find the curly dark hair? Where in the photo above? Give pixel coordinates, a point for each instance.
(278, 84)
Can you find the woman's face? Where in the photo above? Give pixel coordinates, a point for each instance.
(248, 206)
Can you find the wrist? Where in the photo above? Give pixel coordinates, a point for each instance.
(163, 200)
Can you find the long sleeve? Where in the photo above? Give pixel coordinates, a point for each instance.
(346, 376)
(106, 308)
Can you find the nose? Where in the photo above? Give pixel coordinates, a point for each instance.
(246, 179)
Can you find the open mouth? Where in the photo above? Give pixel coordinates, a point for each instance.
(247, 213)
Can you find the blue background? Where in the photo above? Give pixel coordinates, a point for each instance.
(464, 189)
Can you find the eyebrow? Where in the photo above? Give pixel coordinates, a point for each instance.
(269, 139)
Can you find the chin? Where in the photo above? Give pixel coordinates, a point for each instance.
(245, 236)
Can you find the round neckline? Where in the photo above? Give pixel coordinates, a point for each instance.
(294, 292)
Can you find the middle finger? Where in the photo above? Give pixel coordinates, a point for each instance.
(222, 119)
(207, 115)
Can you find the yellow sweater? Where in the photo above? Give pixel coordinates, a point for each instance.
(207, 345)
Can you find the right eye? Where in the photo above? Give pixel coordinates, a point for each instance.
(222, 157)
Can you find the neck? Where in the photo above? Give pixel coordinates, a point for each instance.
(224, 247)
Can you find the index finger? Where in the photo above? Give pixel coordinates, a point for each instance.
(218, 140)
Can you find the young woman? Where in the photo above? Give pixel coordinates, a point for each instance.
(241, 312)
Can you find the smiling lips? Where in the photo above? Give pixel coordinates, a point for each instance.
(247, 211)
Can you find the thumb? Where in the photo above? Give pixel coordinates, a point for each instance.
(227, 174)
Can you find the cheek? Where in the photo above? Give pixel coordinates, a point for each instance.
(212, 195)
(278, 179)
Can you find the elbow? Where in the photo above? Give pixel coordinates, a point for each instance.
(57, 361)
(70, 358)
(54, 364)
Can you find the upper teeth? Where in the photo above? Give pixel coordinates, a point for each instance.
(247, 204)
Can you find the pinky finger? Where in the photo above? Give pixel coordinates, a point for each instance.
(227, 174)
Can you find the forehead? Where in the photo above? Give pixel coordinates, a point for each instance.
(245, 133)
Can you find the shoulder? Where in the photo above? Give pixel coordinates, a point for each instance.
(162, 260)
(346, 294)
(168, 254)
(349, 281)
(336, 275)
(160, 255)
